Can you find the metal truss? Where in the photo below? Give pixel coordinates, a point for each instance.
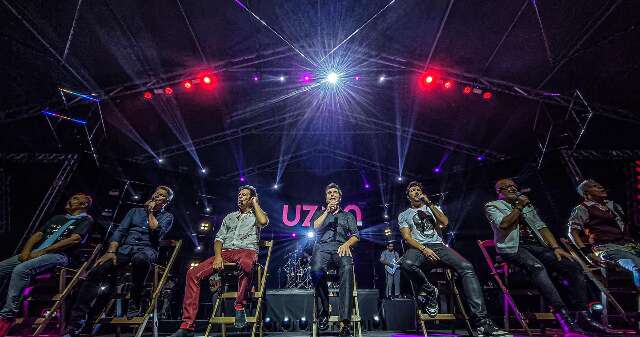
(25, 158)
(606, 154)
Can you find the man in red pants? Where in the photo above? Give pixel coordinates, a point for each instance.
(236, 242)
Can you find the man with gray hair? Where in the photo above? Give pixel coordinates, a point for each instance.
(597, 227)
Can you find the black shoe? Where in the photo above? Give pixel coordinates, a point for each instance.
(587, 323)
(323, 321)
(134, 309)
(345, 331)
(428, 301)
(488, 328)
(182, 333)
(241, 319)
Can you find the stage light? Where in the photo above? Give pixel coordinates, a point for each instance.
(448, 84)
(242, 179)
(147, 95)
(480, 158)
(268, 324)
(194, 264)
(386, 216)
(168, 91)
(275, 186)
(357, 78)
(160, 160)
(199, 248)
(466, 90)
(306, 78)
(207, 80)
(311, 234)
(381, 79)
(203, 170)
(205, 226)
(303, 323)
(102, 288)
(256, 78)
(387, 231)
(207, 209)
(428, 79)
(333, 78)
(399, 178)
(487, 95)
(376, 322)
(136, 197)
(367, 186)
(286, 324)
(187, 84)
(281, 78)
(436, 170)
(293, 235)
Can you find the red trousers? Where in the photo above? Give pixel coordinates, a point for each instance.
(245, 258)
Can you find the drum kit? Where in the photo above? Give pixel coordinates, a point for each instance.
(297, 269)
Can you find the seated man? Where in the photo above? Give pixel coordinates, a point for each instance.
(420, 226)
(336, 233)
(236, 242)
(135, 241)
(601, 220)
(523, 240)
(57, 242)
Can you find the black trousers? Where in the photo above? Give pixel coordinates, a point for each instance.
(89, 291)
(536, 260)
(413, 260)
(323, 259)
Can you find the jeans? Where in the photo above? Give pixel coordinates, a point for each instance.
(21, 274)
(535, 260)
(320, 262)
(473, 294)
(245, 258)
(626, 257)
(141, 261)
(392, 281)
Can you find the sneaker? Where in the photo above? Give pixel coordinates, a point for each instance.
(182, 333)
(429, 302)
(488, 328)
(241, 319)
(5, 326)
(323, 321)
(345, 331)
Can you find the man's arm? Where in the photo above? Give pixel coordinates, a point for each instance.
(553, 244)
(406, 235)
(500, 221)
(441, 218)
(317, 223)
(28, 247)
(73, 239)
(261, 216)
(123, 228)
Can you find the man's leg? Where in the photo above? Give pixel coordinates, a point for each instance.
(345, 270)
(141, 263)
(388, 283)
(629, 260)
(411, 263)
(21, 277)
(6, 268)
(245, 258)
(319, 262)
(192, 292)
(396, 283)
(470, 284)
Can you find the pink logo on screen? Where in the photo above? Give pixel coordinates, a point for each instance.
(305, 213)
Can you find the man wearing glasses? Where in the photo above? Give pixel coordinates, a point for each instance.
(523, 240)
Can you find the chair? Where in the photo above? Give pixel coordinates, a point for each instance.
(67, 280)
(454, 297)
(601, 283)
(507, 300)
(160, 276)
(217, 315)
(356, 319)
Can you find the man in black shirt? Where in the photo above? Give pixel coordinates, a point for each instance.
(135, 241)
(51, 246)
(336, 233)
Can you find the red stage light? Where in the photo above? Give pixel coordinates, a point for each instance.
(187, 84)
(638, 162)
(448, 84)
(148, 95)
(168, 91)
(467, 90)
(487, 95)
(428, 79)
(206, 80)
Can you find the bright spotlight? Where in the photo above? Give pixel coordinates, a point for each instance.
(204, 170)
(382, 78)
(199, 248)
(160, 160)
(311, 234)
(275, 186)
(400, 178)
(281, 78)
(332, 78)
(207, 209)
(436, 169)
(206, 80)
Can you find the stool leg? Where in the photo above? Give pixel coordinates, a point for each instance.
(459, 303)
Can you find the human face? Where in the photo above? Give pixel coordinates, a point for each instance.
(77, 202)
(390, 247)
(507, 189)
(160, 197)
(333, 195)
(244, 198)
(595, 191)
(415, 192)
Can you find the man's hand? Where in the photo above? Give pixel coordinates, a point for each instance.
(24, 256)
(254, 201)
(430, 254)
(332, 207)
(595, 259)
(35, 254)
(106, 258)
(344, 250)
(523, 201)
(425, 199)
(218, 262)
(560, 253)
(150, 205)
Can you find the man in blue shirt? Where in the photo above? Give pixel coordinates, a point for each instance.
(51, 246)
(135, 241)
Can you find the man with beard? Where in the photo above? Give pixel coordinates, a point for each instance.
(53, 245)
(236, 242)
(336, 233)
(135, 241)
(420, 226)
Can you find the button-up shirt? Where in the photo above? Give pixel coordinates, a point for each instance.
(336, 229)
(507, 241)
(604, 225)
(134, 230)
(422, 223)
(239, 231)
